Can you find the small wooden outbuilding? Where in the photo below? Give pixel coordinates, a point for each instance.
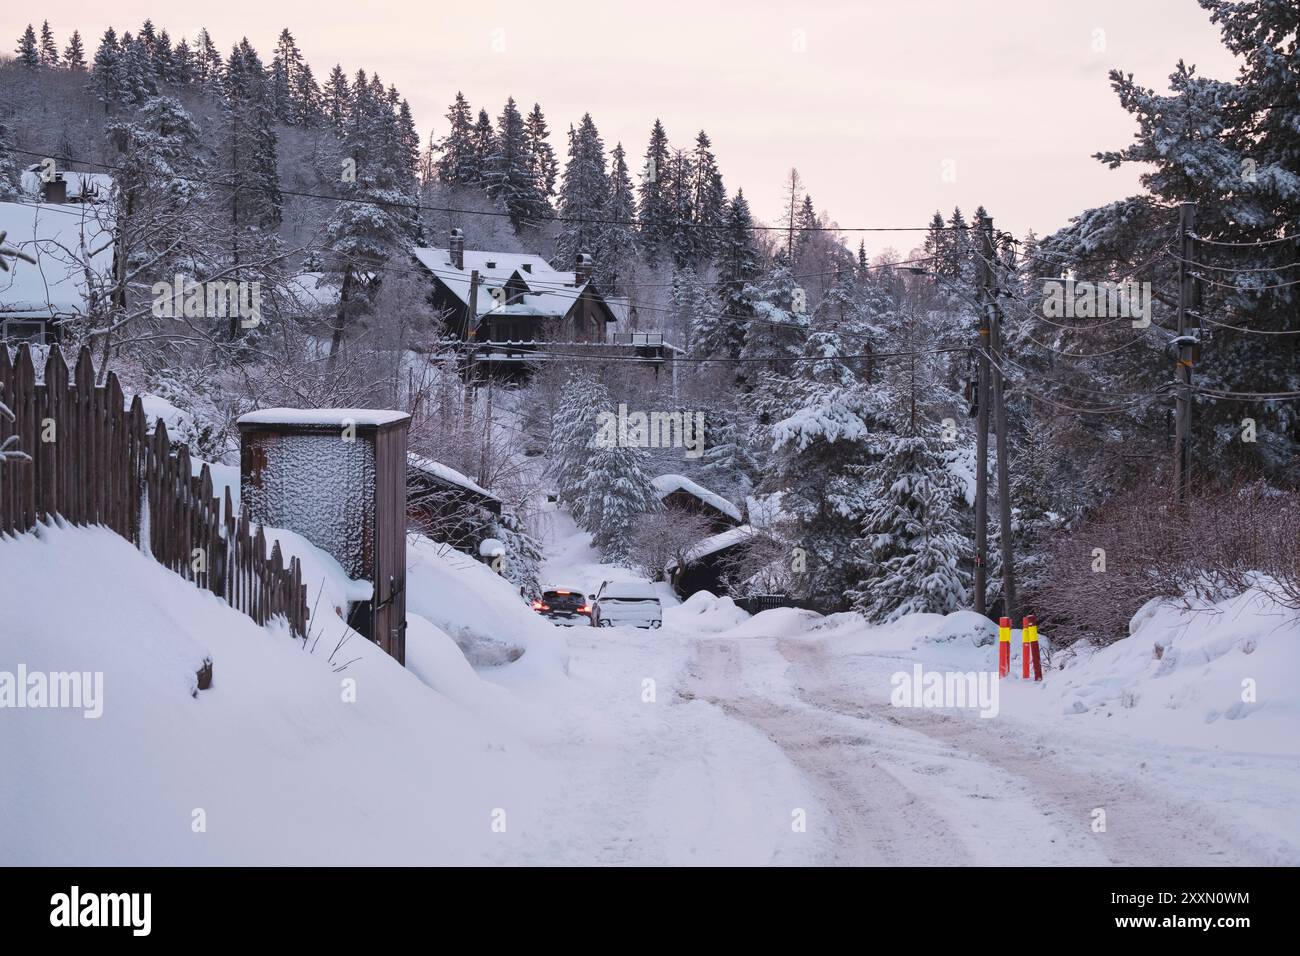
(337, 476)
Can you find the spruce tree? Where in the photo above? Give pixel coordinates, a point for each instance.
(485, 146)
(572, 436)
(709, 199)
(583, 195)
(456, 164)
(49, 49)
(910, 553)
(615, 492)
(74, 55)
(509, 178)
(542, 160)
(28, 53)
(9, 175)
(106, 70)
(653, 207)
(336, 98)
(616, 250)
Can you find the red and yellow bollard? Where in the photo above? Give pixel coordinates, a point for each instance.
(1029, 649)
(1004, 647)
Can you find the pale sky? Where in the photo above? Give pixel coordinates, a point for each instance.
(870, 100)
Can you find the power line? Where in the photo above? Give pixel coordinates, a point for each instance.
(417, 207)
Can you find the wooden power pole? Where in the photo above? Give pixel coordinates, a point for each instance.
(982, 443)
(1183, 370)
(994, 343)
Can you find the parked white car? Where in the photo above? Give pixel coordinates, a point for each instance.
(626, 604)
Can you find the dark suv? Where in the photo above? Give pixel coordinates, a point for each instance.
(564, 607)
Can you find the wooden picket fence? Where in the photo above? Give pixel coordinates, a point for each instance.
(95, 462)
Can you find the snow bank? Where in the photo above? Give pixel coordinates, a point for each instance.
(275, 764)
(1226, 673)
(702, 613)
(481, 611)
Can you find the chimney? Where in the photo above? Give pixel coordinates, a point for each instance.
(582, 269)
(457, 249)
(55, 191)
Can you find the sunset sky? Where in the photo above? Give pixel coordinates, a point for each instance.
(871, 101)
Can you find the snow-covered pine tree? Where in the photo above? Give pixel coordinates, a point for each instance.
(617, 247)
(285, 64)
(336, 98)
(106, 71)
(29, 54)
(247, 158)
(721, 331)
(683, 237)
(510, 178)
(615, 492)
(806, 225)
(9, 176)
(164, 59)
(306, 97)
(583, 195)
(821, 439)
(523, 557)
(779, 328)
(573, 430)
(484, 140)
(49, 49)
(654, 209)
(74, 54)
(688, 313)
(910, 551)
(456, 161)
(709, 199)
(541, 156)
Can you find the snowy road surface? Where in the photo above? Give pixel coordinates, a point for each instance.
(745, 732)
(757, 725)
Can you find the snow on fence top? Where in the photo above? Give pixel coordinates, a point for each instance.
(437, 469)
(665, 485)
(324, 417)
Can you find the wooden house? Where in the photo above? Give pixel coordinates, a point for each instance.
(679, 492)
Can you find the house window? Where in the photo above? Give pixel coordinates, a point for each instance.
(23, 330)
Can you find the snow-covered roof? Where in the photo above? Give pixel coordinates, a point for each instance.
(719, 542)
(312, 290)
(665, 485)
(446, 474)
(64, 239)
(89, 186)
(551, 293)
(323, 417)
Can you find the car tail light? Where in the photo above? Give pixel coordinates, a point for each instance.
(539, 606)
(584, 610)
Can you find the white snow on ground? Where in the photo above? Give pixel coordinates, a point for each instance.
(283, 769)
(707, 741)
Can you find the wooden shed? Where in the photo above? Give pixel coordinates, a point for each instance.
(337, 476)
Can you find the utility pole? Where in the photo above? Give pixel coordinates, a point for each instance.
(999, 416)
(1183, 370)
(982, 443)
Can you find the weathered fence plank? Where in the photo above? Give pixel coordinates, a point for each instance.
(95, 462)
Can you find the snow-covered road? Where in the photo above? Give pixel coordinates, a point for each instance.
(747, 735)
(773, 740)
